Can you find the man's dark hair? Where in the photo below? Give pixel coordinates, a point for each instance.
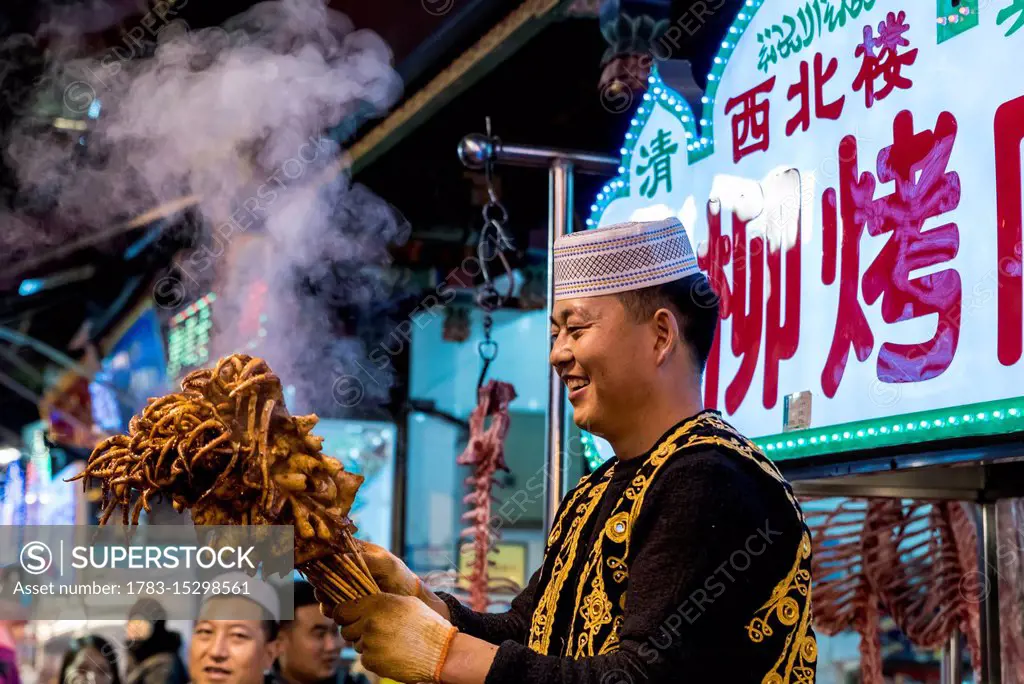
(271, 628)
(304, 596)
(692, 299)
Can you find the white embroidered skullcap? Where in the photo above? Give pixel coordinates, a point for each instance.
(622, 257)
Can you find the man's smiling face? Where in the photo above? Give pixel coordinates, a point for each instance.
(605, 360)
(230, 644)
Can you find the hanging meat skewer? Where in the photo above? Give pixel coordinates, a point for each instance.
(485, 453)
(911, 560)
(226, 449)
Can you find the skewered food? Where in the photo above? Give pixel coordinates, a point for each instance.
(227, 449)
(486, 454)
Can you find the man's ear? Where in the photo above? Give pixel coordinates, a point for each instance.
(272, 651)
(666, 331)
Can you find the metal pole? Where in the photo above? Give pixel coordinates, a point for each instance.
(476, 149)
(991, 656)
(560, 212)
(952, 660)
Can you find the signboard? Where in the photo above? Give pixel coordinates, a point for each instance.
(188, 337)
(133, 371)
(507, 561)
(852, 185)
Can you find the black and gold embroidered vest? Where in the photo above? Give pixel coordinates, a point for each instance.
(598, 576)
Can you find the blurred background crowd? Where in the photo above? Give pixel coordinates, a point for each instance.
(235, 640)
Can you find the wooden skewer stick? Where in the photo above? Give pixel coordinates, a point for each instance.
(329, 583)
(335, 592)
(357, 574)
(330, 593)
(337, 579)
(359, 558)
(327, 591)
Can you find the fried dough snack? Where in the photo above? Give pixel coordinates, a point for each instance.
(226, 449)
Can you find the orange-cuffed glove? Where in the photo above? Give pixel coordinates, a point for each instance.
(398, 637)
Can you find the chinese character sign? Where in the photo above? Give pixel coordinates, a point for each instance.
(656, 170)
(855, 194)
(916, 163)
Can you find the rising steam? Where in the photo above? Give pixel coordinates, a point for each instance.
(235, 116)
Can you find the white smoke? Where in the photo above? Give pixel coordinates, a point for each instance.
(233, 115)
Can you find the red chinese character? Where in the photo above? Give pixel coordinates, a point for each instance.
(916, 164)
(888, 63)
(744, 300)
(855, 195)
(747, 311)
(751, 121)
(822, 76)
(1009, 127)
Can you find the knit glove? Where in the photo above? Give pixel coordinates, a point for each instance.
(388, 570)
(398, 637)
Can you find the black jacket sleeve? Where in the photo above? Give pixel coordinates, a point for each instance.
(711, 541)
(495, 627)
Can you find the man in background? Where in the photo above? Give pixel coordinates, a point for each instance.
(234, 641)
(310, 646)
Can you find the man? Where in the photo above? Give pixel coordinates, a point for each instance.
(310, 646)
(234, 641)
(685, 558)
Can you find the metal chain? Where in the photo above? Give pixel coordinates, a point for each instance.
(492, 243)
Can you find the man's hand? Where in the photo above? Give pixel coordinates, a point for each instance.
(398, 637)
(394, 577)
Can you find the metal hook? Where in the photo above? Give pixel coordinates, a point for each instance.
(490, 219)
(510, 274)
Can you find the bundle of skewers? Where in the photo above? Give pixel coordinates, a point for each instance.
(227, 450)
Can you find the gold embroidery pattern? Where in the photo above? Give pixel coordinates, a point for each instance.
(596, 611)
(611, 644)
(543, 619)
(800, 649)
(556, 529)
